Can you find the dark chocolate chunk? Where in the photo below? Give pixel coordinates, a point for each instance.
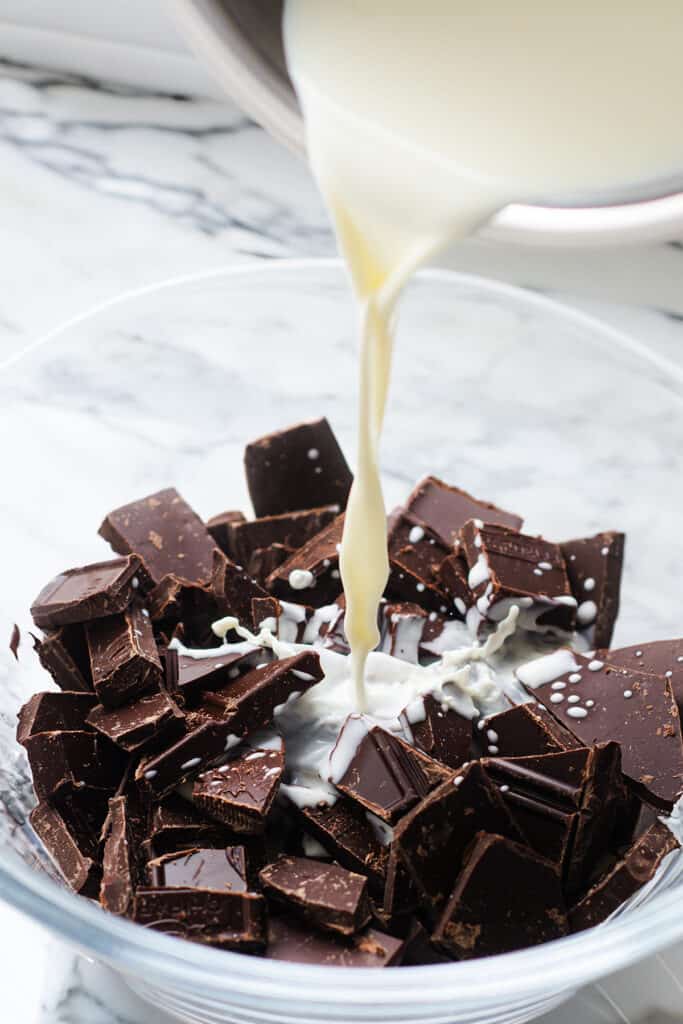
(302, 461)
(175, 824)
(52, 712)
(507, 567)
(453, 578)
(146, 723)
(119, 874)
(291, 941)
(194, 675)
(505, 898)
(658, 658)
(420, 949)
(229, 920)
(328, 896)
(123, 656)
(240, 793)
(599, 702)
(14, 641)
(637, 867)
(523, 730)
(265, 611)
(594, 566)
(73, 851)
(236, 590)
(264, 561)
(64, 654)
(567, 804)
(442, 733)
(346, 833)
(402, 628)
(219, 528)
(409, 580)
(90, 592)
(444, 510)
(168, 535)
(380, 771)
(400, 896)
(220, 870)
(248, 702)
(291, 529)
(433, 836)
(70, 760)
(311, 574)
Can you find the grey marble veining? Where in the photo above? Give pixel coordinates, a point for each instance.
(104, 189)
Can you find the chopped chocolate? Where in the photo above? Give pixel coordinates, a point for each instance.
(219, 528)
(444, 510)
(346, 833)
(166, 533)
(505, 898)
(291, 941)
(410, 580)
(567, 804)
(175, 824)
(439, 731)
(419, 948)
(302, 460)
(632, 872)
(380, 771)
(523, 730)
(220, 870)
(194, 675)
(453, 578)
(73, 851)
(402, 628)
(235, 590)
(400, 896)
(52, 712)
(64, 654)
(119, 875)
(70, 760)
(507, 567)
(265, 611)
(145, 724)
(228, 920)
(433, 836)
(594, 566)
(123, 656)
(240, 793)
(264, 561)
(328, 896)
(291, 529)
(90, 592)
(311, 574)
(249, 702)
(657, 658)
(599, 702)
(14, 641)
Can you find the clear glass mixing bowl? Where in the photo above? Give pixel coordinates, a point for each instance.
(503, 392)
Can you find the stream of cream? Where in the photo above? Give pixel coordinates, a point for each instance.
(423, 119)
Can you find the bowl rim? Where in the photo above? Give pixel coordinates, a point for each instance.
(156, 958)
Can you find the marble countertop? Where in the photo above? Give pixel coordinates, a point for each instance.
(104, 189)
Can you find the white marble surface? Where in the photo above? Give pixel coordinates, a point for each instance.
(103, 190)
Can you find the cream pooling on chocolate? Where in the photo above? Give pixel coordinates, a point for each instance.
(425, 119)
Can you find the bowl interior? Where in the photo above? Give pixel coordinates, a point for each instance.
(502, 392)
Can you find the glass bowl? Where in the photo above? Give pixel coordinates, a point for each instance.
(506, 393)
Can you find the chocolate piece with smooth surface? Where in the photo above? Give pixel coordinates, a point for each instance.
(441, 732)
(222, 870)
(311, 574)
(291, 941)
(432, 837)
(636, 710)
(89, 592)
(119, 869)
(123, 656)
(657, 658)
(175, 824)
(410, 580)
(506, 566)
(73, 851)
(345, 832)
(328, 896)
(290, 529)
(453, 579)
(64, 654)
(303, 461)
(147, 723)
(54, 712)
(228, 920)
(631, 873)
(168, 535)
(444, 510)
(524, 730)
(240, 793)
(219, 528)
(189, 676)
(71, 760)
(505, 898)
(383, 773)
(594, 566)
